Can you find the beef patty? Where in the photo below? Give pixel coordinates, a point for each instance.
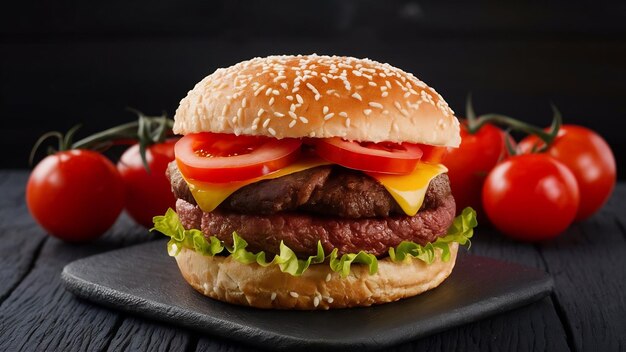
(301, 232)
(323, 190)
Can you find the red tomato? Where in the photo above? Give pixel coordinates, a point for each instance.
(147, 193)
(469, 164)
(390, 158)
(433, 154)
(531, 197)
(591, 160)
(75, 195)
(216, 157)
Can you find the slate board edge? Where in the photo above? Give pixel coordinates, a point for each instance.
(97, 293)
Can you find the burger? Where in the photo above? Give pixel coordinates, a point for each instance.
(313, 182)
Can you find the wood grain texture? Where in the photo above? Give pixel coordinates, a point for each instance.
(588, 264)
(135, 334)
(39, 314)
(20, 236)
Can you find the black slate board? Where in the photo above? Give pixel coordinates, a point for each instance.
(143, 280)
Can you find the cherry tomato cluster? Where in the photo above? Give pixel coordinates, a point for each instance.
(533, 190)
(77, 193)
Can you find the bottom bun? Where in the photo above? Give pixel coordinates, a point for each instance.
(227, 280)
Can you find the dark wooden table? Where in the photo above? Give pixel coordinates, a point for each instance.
(586, 312)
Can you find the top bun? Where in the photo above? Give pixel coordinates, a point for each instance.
(318, 96)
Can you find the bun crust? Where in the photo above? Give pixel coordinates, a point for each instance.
(318, 96)
(227, 280)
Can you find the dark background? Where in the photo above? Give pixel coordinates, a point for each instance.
(65, 62)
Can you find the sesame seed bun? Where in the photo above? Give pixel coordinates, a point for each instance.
(225, 279)
(318, 96)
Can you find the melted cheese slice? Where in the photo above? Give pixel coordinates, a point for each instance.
(408, 190)
(210, 195)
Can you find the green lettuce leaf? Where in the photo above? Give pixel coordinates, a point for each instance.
(169, 224)
(342, 265)
(461, 230)
(286, 259)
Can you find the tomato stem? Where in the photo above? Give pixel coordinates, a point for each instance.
(147, 130)
(474, 124)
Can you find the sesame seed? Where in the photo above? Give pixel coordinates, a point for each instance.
(272, 131)
(312, 134)
(284, 85)
(404, 112)
(295, 90)
(384, 94)
(317, 97)
(357, 96)
(303, 119)
(239, 112)
(268, 91)
(271, 102)
(375, 104)
(256, 121)
(266, 123)
(325, 79)
(325, 110)
(294, 294)
(258, 91)
(234, 119)
(348, 122)
(328, 116)
(206, 287)
(367, 112)
(292, 107)
(316, 301)
(407, 94)
(343, 114)
(278, 78)
(397, 105)
(224, 110)
(299, 99)
(278, 114)
(292, 123)
(368, 76)
(313, 89)
(357, 73)
(293, 115)
(373, 84)
(388, 84)
(243, 102)
(273, 296)
(261, 111)
(328, 276)
(330, 300)
(290, 98)
(275, 92)
(383, 88)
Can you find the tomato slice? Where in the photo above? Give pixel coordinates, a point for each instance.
(385, 157)
(217, 157)
(432, 154)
